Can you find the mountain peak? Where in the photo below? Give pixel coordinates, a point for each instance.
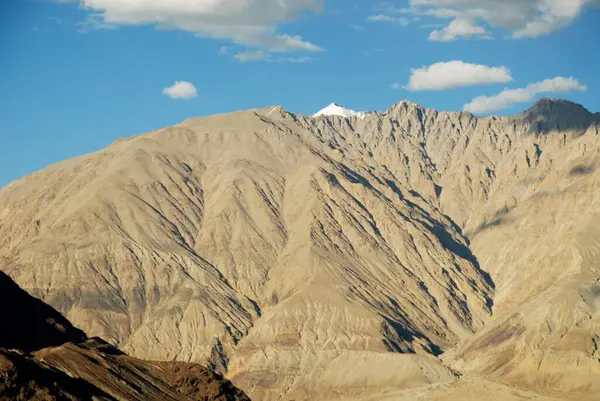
(553, 113)
(406, 105)
(553, 105)
(335, 109)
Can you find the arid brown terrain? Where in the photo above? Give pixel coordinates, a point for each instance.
(43, 357)
(410, 254)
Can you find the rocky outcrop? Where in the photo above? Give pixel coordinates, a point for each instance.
(43, 357)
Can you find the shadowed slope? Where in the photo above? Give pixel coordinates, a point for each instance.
(59, 369)
(28, 324)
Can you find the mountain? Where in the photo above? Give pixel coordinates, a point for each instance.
(43, 357)
(336, 110)
(330, 257)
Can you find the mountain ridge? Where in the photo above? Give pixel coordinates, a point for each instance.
(280, 109)
(280, 248)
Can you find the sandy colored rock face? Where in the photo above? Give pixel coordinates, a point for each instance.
(331, 257)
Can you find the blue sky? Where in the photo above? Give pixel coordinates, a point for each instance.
(76, 75)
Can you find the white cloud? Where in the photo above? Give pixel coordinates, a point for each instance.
(244, 57)
(523, 18)
(181, 90)
(455, 74)
(224, 50)
(246, 22)
(459, 28)
(387, 18)
(508, 97)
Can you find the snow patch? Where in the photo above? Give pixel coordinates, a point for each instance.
(336, 110)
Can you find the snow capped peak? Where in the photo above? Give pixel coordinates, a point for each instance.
(335, 109)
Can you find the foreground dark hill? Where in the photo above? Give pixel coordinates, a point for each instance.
(28, 324)
(43, 357)
(331, 257)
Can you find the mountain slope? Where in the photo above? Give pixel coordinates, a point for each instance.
(28, 324)
(43, 357)
(283, 249)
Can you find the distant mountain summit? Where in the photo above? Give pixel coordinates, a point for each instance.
(553, 106)
(549, 114)
(335, 109)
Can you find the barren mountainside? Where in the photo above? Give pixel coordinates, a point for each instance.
(397, 255)
(43, 357)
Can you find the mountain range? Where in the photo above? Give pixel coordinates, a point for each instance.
(405, 254)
